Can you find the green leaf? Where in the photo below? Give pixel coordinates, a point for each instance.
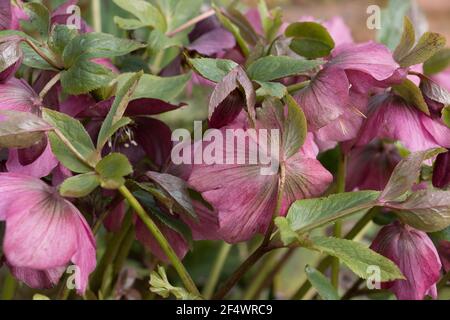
(38, 24)
(412, 95)
(178, 12)
(162, 88)
(288, 236)
(97, 45)
(159, 41)
(38, 296)
(426, 210)
(85, 76)
(428, 45)
(392, 19)
(295, 128)
(271, 21)
(31, 58)
(438, 62)
(446, 116)
(406, 174)
(147, 199)
(160, 285)
(79, 186)
(123, 97)
(177, 189)
(129, 24)
(60, 37)
(308, 214)
(271, 89)
(112, 169)
(407, 41)
(147, 14)
(310, 40)
(357, 257)
(74, 132)
(230, 26)
(322, 284)
(66, 156)
(213, 69)
(21, 129)
(276, 67)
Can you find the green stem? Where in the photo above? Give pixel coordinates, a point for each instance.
(162, 241)
(9, 287)
(297, 86)
(337, 232)
(216, 270)
(96, 8)
(50, 85)
(99, 279)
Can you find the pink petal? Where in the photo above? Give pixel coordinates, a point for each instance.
(305, 178)
(5, 14)
(391, 118)
(39, 279)
(39, 168)
(19, 96)
(371, 58)
(339, 30)
(213, 42)
(325, 99)
(44, 231)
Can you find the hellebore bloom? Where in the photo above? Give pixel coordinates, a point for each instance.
(371, 166)
(10, 15)
(441, 172)
(242, 195)
(44, 232)
(11, 57)
(390, 117)
(37, 161)
(209, 38)
(416, 256)
(360, 67)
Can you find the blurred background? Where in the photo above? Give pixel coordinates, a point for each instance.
(354, 13)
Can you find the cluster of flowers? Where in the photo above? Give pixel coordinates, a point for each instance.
(355, 99)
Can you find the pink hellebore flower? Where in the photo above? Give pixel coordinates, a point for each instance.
(390, 117)
(416, 256)
(44, 233)
(244, 198)
(371, 166)
(10, 15)
(37, 161)
(359, 67)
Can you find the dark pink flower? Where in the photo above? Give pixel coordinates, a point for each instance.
(326, 98)
(37, 161)
(371, 166)
(414, 253)
(44, 232)
(10, 15)
(441, 172)
(239, 192)
(390, 117)
(210, 39)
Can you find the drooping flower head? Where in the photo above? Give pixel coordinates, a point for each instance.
(44, 232)
(416, 256)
